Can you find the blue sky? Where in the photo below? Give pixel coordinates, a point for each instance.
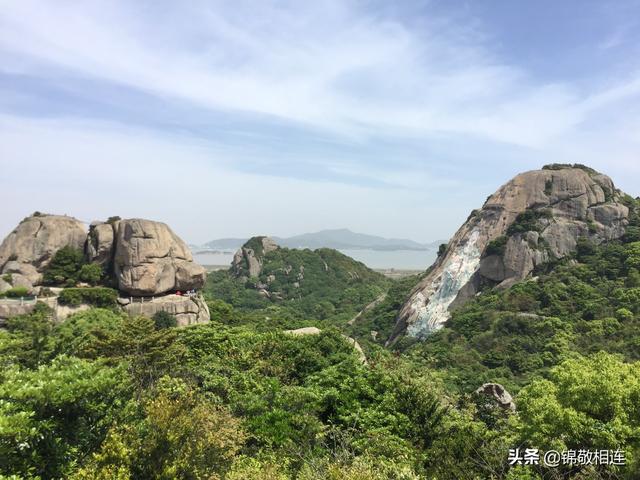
(241, 118)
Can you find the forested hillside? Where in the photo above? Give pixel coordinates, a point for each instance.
(106, 395)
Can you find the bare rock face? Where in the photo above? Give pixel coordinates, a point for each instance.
(247, 261)
(499, 394)
(187, 310)
(28, 249)
(150, 259)
(100, 243)
(536, 217)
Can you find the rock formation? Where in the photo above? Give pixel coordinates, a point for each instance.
(499, 394)
(28, 249)
(144, 258)
(247, 261)
(100, 243)
(187, 310)
(536, 217)
(150, 259)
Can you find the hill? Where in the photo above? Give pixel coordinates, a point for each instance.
(321, 284)
(337, 239)
(536, 218)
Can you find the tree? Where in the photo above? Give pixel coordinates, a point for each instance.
(148, 351)
(181, 435)
(587, 403)
(29, 341)
(91, 273)
(64, 267)
(164, 319)
(53, 416)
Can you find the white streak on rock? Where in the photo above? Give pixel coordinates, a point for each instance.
(458, 270)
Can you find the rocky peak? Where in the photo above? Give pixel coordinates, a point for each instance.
(535, 217)
(248, 260)
(29, 248)
(150, 259)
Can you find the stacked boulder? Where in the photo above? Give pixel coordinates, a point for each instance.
(147, 261)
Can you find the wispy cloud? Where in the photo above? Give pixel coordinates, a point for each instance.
(333, 92)
(328, 65)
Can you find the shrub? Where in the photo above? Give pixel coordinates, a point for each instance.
(624, 314)
(17, 292)
(97, 296)
(64, 267)
(164, 319)
(496, 247)
(528, 221)
(90, 273)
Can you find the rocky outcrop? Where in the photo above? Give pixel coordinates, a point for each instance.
(28, 249)
(536, 217)
(247, 261)
(188, 310)
(498, 394)
(100, 243)
(150, 259)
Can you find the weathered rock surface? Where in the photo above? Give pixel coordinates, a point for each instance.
(35, 240)
(150, 259)
(247, 261)
(499, 394)
(187, 310)
(548, 211)
(100, 243)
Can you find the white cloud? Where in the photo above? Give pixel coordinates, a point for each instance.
(324, 64)
(351, 76)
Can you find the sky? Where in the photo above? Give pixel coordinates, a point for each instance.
(232, 119)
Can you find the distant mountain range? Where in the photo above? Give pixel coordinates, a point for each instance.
(340, 239)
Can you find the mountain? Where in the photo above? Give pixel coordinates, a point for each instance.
(311, 284)
(343, 239)
(536, 218)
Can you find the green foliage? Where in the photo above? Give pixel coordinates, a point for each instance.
(164, 319)
(53, 416)
(91, 273)
(511, 336)
(64, 267)
(528, 221)
(220, 311)
(496, 247)
(17, 292)
(181, 435)
(27, 341)
(82, 333)
(442, 249)
(303, 285)
(562, 166)
(586, 401)
(96, 296)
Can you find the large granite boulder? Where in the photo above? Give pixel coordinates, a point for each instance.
(150, 259)
(188, 310)
(497, 394)
(29, 248)
(247, 261)
(536, 217)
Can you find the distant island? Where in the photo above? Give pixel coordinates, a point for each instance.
(343, 239)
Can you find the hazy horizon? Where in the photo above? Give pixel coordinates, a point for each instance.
(282, 118)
